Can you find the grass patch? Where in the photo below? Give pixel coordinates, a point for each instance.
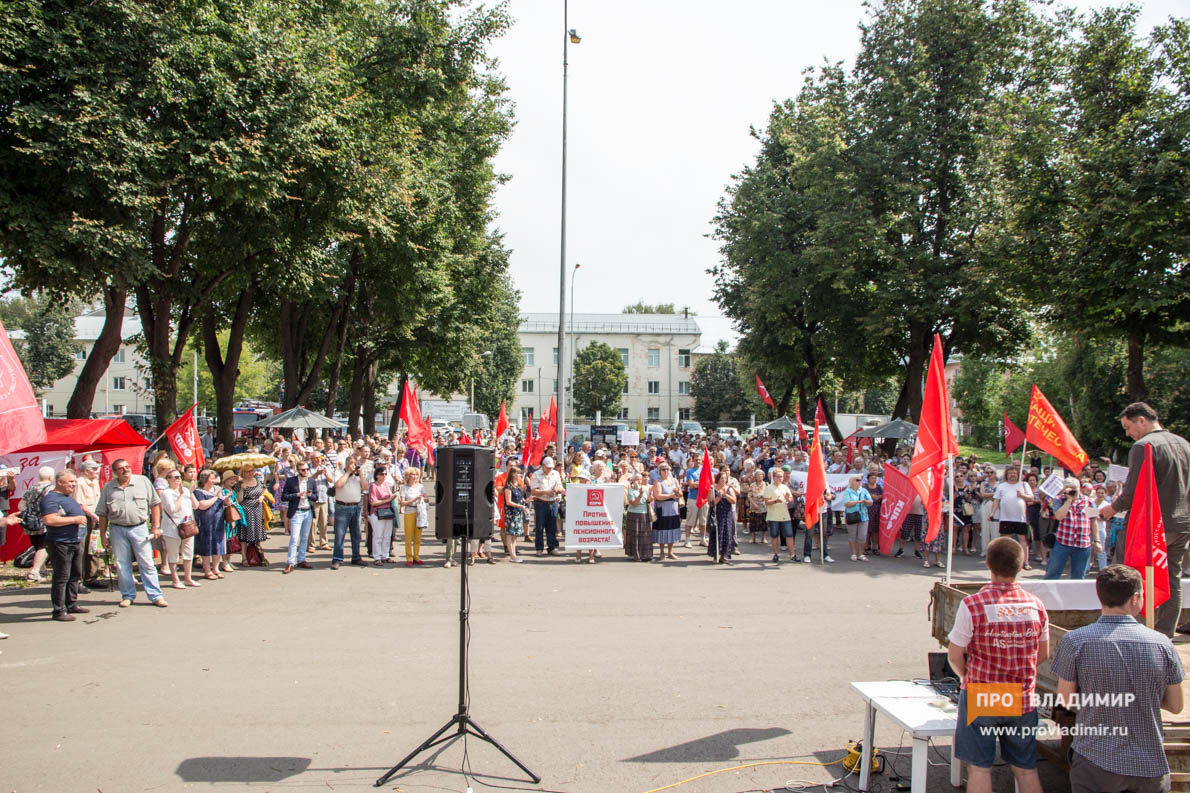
(985, 455)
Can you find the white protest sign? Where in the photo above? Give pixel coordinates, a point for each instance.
(594, 516)
(1052, 486)
(836, 483)
(630, 438)
(1117, 473)
(28, 463)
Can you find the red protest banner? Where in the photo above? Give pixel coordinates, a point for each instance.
(21, 424)
(183, 438)
(894, 506)
(1046, 430)
(1144, 545)
(935, 442)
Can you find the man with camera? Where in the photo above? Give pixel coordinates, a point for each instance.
(1074, 540)
(348, 495)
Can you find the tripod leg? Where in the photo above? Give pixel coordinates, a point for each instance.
(479, 733)
(425, 745)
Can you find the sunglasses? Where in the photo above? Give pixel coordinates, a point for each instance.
(174, 476)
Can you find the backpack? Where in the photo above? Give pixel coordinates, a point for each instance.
(31, 515)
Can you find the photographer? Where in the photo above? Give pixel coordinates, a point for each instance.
(348, 495)
(1074, 541)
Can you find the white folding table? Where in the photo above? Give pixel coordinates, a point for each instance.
(915, 708)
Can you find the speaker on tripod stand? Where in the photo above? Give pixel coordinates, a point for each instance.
(464, 498)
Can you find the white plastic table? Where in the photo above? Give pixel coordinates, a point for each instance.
(909, 705)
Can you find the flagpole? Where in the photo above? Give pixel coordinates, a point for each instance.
(1149, 595)
(822, 538)
(1021, 473)
(950, 530)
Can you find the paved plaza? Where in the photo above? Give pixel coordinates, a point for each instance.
(612, 677)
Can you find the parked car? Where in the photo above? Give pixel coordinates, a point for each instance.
(692, 428)
(655, 432)
(728, 433)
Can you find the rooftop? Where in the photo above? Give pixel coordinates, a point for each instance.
(612, 323)
(88, 325)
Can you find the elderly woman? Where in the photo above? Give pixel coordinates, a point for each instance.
(177, 508)
(856, 500)
(413, 515)
(757, 509)
(638, 535)
(381, 515)
(721, 539)
(667, 529)
(210, 502)
(253, 532)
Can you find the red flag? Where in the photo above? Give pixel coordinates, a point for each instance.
(547, 430)
(421, 437)
(935, 442)
(1013, 435)
(1046, 430)
(21, 423)
(183, 437)
(894, 506)
(705, 479)
(465, 438)
(764, 392)
(1144, 544)
(501, 422)
(819, 415)
(527, 451)
(801, 431)
(815, 482)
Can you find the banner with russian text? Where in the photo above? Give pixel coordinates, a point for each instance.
(894, 506)
(594, 516)
(183, 437)
(1046, 431)
(26, 477)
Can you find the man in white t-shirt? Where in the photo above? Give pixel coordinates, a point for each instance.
(1008, 502)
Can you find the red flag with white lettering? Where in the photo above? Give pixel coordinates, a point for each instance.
(21, 423)
(764, 393)
(894, 506)
(935, 442)
(1046, 430)
(1144, 544)
(183, 438)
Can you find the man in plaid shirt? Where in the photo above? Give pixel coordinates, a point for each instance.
(1074, 539)
(999, 635)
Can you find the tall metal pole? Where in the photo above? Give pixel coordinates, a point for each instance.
(573, 344)
(562, 258)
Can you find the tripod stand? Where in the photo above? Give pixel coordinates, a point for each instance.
(462, 720)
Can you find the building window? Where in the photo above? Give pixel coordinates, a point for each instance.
(80, 354)
(526, 416)
(118, 410)
(555, 386)
(683, 388)
(625, 385)
(526, 386)
(528, 351)
(555, 356)
(623, 414)
(49, 411)
(655, 358)
(623, 354)
(684, 414)
(683, 359)
(654, 414)
(117, 383)
(119, 356)
(654, 386)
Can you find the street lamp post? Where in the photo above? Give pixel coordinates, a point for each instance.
(573, 344)
(570, 37)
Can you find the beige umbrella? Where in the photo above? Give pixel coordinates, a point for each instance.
(236, 461)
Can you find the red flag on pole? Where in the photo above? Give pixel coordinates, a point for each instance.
(801, 431)
(1046, 430)
(764, 393)
(894, 506)
(935, 442)
(547, 430)
(465, 438)
(527, 451)
(706, 478)
(1014, 436)
(1144, 544)
(183, 438)
(21, 422)
(815, 482)
(501, 422)
(819, 415)
(421, 437)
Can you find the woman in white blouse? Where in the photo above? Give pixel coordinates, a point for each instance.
(177, 507)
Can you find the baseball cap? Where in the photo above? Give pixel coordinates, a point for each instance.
(1070, 481)
(89, 465)
(548, 462)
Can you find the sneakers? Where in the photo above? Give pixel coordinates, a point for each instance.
(854, 558)
(688, 545)
(900, 552)
(917, 554)
(806, 560)
(830, 560)
(863, 557)
(776, 558)
(3, 635)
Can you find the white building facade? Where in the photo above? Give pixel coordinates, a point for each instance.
(124, 387)
(657, 350)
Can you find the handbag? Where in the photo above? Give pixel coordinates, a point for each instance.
(385, 513)
(187, 528)
(851, 517)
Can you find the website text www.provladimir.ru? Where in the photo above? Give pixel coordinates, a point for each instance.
(1050, 730)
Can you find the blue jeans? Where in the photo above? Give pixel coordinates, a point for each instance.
(975, 743)
(1079, 559)
(546, 515)
(345, 515)
(127, 541)
(299, 535)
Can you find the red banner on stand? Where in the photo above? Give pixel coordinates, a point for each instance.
(183, 438)
(894, 506)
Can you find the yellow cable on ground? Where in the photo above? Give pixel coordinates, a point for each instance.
(738, 767)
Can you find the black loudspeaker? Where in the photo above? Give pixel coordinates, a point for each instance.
(464, 491)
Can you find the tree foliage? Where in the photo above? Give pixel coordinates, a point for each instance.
(47, 351)
(641, 307)
(599, 380)
(715, 385)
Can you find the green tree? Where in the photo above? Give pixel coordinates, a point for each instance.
(599, 380)
(978, 389)
(499, 372)
(641, 307)
(259, 377)
(715, 385)
(48, 349)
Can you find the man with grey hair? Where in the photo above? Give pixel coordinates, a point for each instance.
(127, 504)
(32, 497)
(64, 522)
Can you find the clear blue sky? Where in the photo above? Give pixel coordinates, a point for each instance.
(662, 96)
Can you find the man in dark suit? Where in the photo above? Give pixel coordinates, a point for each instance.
(299, 497)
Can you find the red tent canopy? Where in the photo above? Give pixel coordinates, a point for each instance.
(113, 439)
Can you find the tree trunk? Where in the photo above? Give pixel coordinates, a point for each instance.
(332, 388)
(302, 376)
(395, 421)
(82, 399)
(356, 398)
(919, 353)
(370, 375)
(225, 370)
(1137, 390)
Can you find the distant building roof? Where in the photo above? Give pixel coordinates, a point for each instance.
(612, 323)
(88, 325)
